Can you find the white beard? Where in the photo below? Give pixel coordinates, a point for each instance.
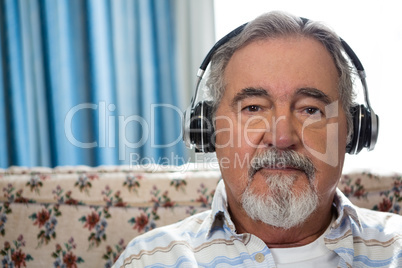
(280, 207)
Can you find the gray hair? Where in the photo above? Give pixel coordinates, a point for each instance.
(280, 24)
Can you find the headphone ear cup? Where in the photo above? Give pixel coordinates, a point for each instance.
(202, 128)
(351, 147)
(365, 129)
(361, 136)
(209, 130)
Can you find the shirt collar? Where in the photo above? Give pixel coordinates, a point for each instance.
(345, 209)
(219, 211)
(346, 226)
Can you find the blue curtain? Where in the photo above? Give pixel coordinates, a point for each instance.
(88, 82)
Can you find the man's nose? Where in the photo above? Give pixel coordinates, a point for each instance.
(283, 132)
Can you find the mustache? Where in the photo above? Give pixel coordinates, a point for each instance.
(282, 159)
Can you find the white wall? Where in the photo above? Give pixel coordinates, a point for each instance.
(374, 30)
(194, 36)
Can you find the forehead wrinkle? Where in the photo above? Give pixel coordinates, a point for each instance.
(314, 93)
(248, 93)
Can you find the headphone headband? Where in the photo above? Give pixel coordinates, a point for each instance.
(208, 57)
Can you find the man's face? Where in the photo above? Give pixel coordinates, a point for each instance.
(281, 95)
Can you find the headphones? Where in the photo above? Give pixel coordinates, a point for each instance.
(198, 127)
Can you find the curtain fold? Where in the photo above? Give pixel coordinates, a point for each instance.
(15, 100)
(88, 82)
(101, 72)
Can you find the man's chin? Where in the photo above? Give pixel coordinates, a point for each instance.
(279, 204)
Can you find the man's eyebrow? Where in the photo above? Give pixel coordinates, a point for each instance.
(249, 92)
(314, 93)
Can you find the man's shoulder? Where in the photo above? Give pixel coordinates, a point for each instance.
(368, 219)
(379, 238)
(379, 219)
(190, 231)
(378, 228)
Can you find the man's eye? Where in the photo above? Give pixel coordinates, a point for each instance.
(252, 108)
(312, 111)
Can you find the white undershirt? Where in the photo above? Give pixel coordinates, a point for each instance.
(315, 254)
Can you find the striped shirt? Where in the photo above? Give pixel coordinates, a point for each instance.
(360, 237)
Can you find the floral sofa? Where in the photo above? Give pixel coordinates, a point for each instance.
(84, 217)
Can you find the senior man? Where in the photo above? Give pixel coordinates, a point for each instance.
(282, 93)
